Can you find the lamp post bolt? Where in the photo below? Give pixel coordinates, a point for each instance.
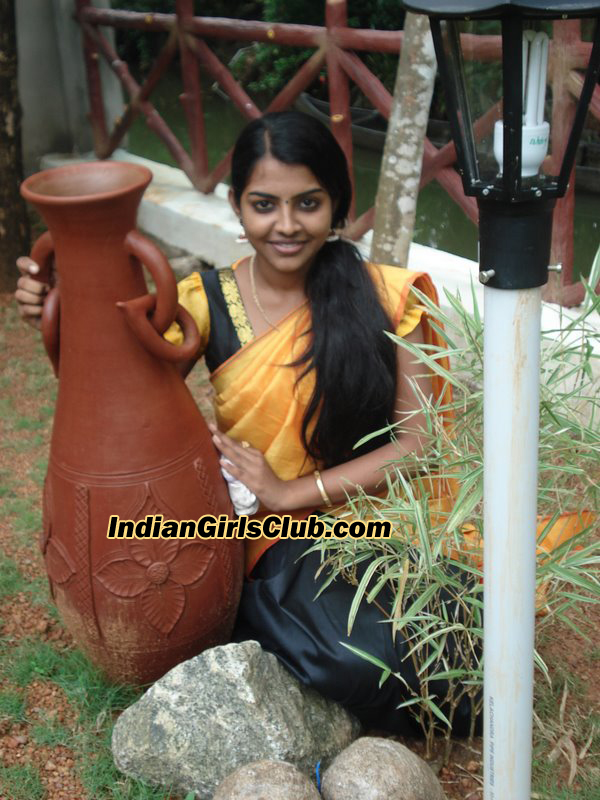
(486, 275)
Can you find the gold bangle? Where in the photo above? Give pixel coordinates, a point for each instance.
(321, 488)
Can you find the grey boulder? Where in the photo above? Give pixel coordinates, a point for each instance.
(267, 780)
(229, 706)
(379, 769)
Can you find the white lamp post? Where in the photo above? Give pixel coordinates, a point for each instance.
(515, 202)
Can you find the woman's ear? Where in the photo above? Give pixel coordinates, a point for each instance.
(233, 204)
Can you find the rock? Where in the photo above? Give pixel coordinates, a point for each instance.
(267, 780)
(379, 769)
(229, 706)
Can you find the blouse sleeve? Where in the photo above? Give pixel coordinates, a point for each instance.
(411, 317)
(394, 285)
(192, 297)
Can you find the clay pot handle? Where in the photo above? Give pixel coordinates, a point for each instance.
(43, 254)
(136, 313)
(166, 287)
(51, 327)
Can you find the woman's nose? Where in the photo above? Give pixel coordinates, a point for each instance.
(287, 223)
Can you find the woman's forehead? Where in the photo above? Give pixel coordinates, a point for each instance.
(271, 176)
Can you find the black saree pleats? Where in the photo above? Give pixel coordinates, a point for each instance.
(279, 611)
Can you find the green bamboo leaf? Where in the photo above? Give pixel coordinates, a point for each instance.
(476, 314)
(372, 660)
(436, 710)
(431, 363)
(386, 578)
(417, 606)
(444, 335)
(580, 598)
(568, 621)
(470, 569)
(446, 675)
(437, 634)
(384, 676)
(572, 576)
(407, 703)
(469, 496)
(360, 591)
(428, 662)
(541, 664)
(399, 596)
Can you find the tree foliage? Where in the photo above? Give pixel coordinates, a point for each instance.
(263, 67)
(274, 66)
(139, 49)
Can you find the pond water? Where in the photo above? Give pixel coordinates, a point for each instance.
(440, 222)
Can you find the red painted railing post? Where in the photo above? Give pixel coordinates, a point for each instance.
(565, 38)
(334, 44)
(192, 95)
(94, 81)
(336, 16)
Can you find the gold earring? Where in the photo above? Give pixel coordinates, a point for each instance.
(242, 238)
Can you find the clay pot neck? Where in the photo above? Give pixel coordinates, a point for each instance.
(88, 201)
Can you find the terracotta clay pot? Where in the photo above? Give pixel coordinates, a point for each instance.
(127, 439)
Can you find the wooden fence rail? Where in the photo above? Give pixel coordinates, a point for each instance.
(334, 45)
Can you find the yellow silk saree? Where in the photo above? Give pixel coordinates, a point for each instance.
(260, 399)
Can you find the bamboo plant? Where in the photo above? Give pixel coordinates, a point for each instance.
(427, 578)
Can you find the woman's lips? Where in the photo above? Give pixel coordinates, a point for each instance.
(287, 248)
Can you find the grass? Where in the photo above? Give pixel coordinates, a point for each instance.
(27, 398)
(566, 744)
(21, 783)
(95, 701)
(11, 580)
(26, 518)
(51, 734)
(12, 706)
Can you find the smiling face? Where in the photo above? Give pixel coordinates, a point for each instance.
(286, 214)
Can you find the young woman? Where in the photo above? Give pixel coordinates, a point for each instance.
(295, 340)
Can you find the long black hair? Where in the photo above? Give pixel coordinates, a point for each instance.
(353, 359)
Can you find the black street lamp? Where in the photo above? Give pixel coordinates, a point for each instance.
(516, 197)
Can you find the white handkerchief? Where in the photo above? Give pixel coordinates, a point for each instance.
(244, 501)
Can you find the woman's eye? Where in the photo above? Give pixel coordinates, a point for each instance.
(263, 205)
(309, 203)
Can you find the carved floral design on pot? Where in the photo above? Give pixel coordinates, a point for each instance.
(46, 516)
(156, 571)
(59, 565)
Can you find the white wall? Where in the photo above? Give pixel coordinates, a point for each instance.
(52, 81)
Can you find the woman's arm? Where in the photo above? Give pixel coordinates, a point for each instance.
(368, 471)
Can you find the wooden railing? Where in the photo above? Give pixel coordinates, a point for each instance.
(334, 51)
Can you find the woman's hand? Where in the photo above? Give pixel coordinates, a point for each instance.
(249, 466)
(30, 293)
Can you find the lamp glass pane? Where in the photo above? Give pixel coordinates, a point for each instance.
(482, 58)
(489, 94)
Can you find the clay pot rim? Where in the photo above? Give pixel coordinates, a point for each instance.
(141, 176)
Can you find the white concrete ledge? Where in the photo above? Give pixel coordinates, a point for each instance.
(205, 225)
(177, 214)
